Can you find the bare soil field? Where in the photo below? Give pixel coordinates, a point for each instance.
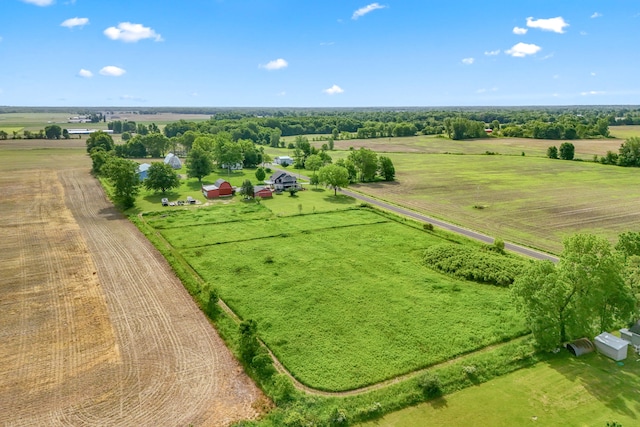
(96, 329)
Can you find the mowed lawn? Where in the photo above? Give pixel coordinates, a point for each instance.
(565, 391)
(342, 298)
(532, 201)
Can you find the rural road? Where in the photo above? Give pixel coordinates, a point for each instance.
(522, 250)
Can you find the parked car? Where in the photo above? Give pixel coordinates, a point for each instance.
(165, 201)
(191, 200)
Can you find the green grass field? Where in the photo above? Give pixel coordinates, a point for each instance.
(342, 297)
(587, 391)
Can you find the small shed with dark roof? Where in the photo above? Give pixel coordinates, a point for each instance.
(631, 334)
(580, 347)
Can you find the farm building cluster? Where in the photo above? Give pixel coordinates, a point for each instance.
(609, 345)
(278, 182)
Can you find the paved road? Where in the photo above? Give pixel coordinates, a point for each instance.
(444, 225)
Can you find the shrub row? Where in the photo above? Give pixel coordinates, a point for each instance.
(483, 264)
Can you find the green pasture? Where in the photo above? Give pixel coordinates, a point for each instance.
(343, 298)
(624, 132)
(587, 391)
(529, 200)
(217, 233)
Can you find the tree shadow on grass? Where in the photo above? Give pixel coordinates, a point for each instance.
(340, 199)
(614, 385)
(157, 197)
(438, 403)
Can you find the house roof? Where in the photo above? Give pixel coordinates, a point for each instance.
(144, 167)
(209, 187)
(219, 182)
(283, 158)
(258, 188)
(281, 175)
(611, 341)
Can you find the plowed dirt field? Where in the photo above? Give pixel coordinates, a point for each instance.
(95, 329)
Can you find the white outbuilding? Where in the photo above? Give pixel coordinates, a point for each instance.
(611, 346)
(173, 161)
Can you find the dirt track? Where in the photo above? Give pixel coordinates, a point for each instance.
(96, 329)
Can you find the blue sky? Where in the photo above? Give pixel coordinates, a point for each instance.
(331, 53)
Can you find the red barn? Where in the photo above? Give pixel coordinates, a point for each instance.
(220, 188)
(260, 191)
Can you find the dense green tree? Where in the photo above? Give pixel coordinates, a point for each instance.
(99, 158)
(366, 163)
(155, 143)
(386, 169)
(249, 343)
(229, 155)
(188, 139)
(567, 151)
(334, 176)
(247, 189)
(161, 176)
(199, 163)
(125, 136)
(122, 174)
(99, 139)
(260, 174)
(3, 135)
(313, 163)
(581, 296)
(552, 152)
(630, 152)
(350, 167)
(53, 132)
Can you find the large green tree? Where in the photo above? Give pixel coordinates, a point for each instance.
(630, 152)
(386, 169)
(582, 295)
(334, 176)
(162, 177)
(199, 163)
(567, 151)
(122, 174)
(99, 139)
(53, 132)
(230, 154)
(366, 163)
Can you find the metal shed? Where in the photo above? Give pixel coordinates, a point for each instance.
(580, 347)
(611, 346)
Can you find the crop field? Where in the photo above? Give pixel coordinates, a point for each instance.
(587, 391)
(96, 328)
(36, 121)
(584, 148)
(342, 297)
(527, 200)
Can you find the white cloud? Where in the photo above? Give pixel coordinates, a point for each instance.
(519, 31)
(481, 91)
(596, 15)
(556, 76)
(112, 70)
(521, 50)
(593, 74)
(592, 92)
(492, 52)
(327, 43)
(468, 61)
(583, 33)
(40, 2)
(283, 93)
(276, 64)
(364, 10)
(556, 24)
(75, 22)
(0, 39)
(131, 33)
(85, 73)
(333, 90)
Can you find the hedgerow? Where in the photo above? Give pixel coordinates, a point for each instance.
(483, 265)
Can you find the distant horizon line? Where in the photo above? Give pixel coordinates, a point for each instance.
(382, 107)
